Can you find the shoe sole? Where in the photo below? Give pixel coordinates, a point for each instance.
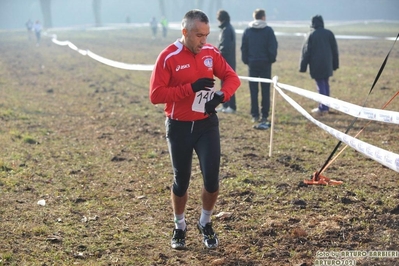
(260, 128)
(179, 248)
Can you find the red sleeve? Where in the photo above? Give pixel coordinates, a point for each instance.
(230, 79)
(160, 90)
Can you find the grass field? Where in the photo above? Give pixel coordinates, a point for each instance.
(84, 137)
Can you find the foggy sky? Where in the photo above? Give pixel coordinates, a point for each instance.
(14, 13)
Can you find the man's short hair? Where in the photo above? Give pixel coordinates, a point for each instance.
(191, 16)
(223, 16)
(259, 13)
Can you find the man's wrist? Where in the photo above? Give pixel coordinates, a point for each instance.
(220, 95)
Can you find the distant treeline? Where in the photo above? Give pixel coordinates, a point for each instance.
(56, 13)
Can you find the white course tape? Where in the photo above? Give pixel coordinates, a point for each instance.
(345, 107)
(256, 79)
(102, 59)
(384, 157)
(119, 64)
(339, 105)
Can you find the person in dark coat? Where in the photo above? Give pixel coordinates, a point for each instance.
(227, 47)
(259, 52)
(320, 52)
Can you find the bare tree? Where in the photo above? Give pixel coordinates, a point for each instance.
(214, 6)
(46, 10)
(162, 7)
(97, 12)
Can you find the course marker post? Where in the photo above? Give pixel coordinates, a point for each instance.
(275, 78)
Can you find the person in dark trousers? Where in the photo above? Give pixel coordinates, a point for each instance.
(37, 27)
(259, 52)
(154, 27)
(320, 52)
(183, 80)
(29, 27)
(227, 46)
(164, 24)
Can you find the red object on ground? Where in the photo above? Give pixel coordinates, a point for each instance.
(321, 180)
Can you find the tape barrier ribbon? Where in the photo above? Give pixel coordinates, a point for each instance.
(354, 110)
(384, 157)
(101, 59)
(326, 163)
(357, 134)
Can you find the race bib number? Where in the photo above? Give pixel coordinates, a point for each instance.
(201, 98)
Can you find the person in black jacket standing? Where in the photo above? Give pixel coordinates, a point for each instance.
(320, 52)
(259, 52)
(227, 47)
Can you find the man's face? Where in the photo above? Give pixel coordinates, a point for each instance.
(195, 38)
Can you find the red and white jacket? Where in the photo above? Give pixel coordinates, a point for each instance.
(174, 71)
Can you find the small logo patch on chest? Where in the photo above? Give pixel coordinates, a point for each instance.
(208, 62)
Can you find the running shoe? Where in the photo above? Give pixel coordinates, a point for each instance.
(262, 126)
(210, 238)
(229, 110)
(179, 239)
(319, 112)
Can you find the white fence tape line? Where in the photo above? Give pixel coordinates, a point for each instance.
(256, 79)
(119, 64)
(339, 105)
(345, 107)
(103, 60)
(384, 157)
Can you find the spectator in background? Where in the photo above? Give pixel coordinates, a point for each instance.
(154, 27)
(227, 47)
(164, 24)
(38, 31)
(259, 52)
(320, 52)
(29, 27)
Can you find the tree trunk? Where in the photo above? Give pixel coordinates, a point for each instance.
(97, 12)
(162, 7)
(46, 10)
(214, 6)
